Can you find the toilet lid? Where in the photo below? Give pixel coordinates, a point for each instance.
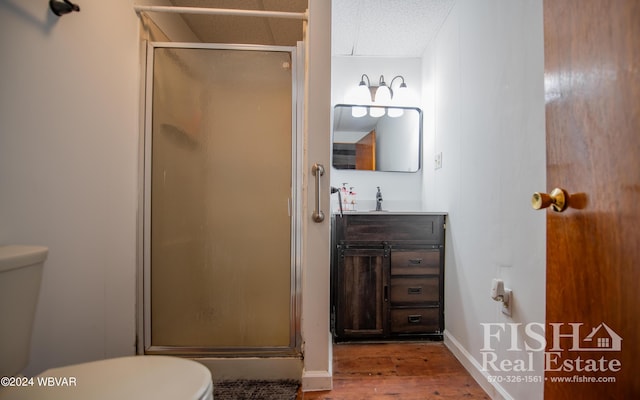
(136, 377)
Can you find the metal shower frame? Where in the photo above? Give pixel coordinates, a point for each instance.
(297, 58)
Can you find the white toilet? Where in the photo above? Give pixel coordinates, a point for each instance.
(135, 377)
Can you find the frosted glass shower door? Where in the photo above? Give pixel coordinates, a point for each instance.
(221, 273)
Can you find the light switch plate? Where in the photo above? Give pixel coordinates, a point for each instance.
(438, 160)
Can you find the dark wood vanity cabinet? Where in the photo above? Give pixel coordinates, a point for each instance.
(387, 276)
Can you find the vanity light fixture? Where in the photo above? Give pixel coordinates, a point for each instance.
(381, 94)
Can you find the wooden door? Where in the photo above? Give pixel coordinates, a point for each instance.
(366, 152)
(592, 92)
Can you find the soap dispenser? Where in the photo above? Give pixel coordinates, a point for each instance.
(345, 196)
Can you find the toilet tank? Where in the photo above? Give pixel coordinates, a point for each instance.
(20, 273)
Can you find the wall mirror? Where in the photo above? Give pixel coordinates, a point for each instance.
(390, 142)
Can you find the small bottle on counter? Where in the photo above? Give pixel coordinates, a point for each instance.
(345, 197)
(352, 199)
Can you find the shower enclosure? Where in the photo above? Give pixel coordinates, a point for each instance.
(221, 200)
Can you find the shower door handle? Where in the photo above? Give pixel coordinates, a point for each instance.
(317, 170)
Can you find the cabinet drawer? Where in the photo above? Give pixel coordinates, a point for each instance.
(419, 262)
(415, 320)
(391, 228)
(415, 290)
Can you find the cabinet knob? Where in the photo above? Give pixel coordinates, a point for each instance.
(558, 200)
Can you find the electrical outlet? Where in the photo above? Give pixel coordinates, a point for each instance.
(438, 160)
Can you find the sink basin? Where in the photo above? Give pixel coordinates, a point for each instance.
(388, 212)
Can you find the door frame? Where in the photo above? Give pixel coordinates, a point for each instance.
(143, 295)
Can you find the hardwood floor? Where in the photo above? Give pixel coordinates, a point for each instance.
(400, 371)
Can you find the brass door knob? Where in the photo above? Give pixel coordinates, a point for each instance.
(558, 200)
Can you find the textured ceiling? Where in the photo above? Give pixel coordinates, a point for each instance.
(400, 28)
(394, 28)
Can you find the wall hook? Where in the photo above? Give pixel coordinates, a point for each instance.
(61, 8)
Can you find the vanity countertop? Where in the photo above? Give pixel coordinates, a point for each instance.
(373, 212)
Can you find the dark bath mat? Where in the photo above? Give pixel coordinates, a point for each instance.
(255, 390)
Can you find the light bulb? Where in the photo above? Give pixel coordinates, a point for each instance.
(362, 95)
(383, 95)
(395, 112)
(401, 95)
(358, 112)
(376, 112)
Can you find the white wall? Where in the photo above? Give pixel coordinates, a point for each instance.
(318, 369)
(68, 170)
(483, 78)
(401, 191)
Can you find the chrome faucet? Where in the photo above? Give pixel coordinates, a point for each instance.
(334, 190)
(379, 200)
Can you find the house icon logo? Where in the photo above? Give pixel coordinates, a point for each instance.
(602, 338)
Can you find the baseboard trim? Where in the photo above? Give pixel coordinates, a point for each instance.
(313, 381)
(493, 389)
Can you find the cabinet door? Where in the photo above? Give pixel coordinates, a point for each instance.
(362, 298)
